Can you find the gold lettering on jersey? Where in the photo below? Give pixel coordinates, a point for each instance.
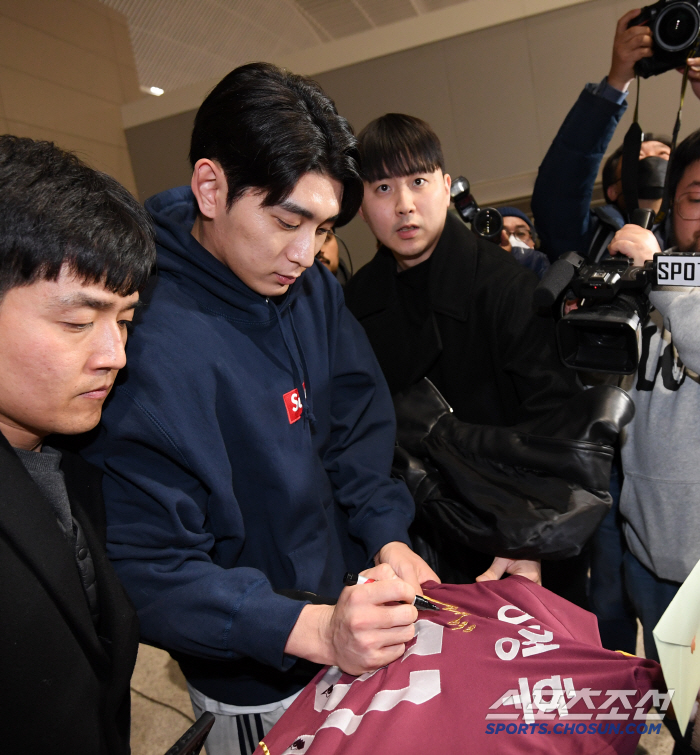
(445, 606)
(460, 623)
(263, 746)
(463, 625)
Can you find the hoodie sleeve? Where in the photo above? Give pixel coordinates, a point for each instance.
(363, 434)
(160, 546)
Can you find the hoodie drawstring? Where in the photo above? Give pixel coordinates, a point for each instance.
(300, 373)
(307, 377)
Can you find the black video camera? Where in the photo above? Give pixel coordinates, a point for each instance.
(674, 25)
(601, 334)
(486, 222)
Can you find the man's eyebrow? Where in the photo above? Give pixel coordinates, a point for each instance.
(290, 206)
(293, 207)
(84, 300)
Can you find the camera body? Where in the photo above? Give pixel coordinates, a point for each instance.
(601, 334)
(486, 222)
(674, 25)
(604, 280)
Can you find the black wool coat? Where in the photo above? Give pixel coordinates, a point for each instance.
(491, 357)
(64, 686)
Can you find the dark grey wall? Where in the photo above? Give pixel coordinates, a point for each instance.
(495, 97)
(159, 153)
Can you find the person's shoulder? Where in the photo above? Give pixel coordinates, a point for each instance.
(369, 269)
(493, 262)
(457, 238)
(170, 326)
(319, 293)
(368, 284)
(318, 282)
(163, 295)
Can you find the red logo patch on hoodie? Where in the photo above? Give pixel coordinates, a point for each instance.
(293, 405)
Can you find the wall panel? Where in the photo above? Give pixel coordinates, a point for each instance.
(496, 98)
(66, 68)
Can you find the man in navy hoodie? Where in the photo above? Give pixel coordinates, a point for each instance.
(248, 451)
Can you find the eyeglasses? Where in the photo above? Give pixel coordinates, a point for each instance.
(522, 234)
(688, 205)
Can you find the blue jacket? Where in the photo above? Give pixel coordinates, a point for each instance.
(563, 190)
(561, 199)
(217, 493)
(531, 259)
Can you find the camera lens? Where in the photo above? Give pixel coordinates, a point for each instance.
(676, 27)
(488, 223)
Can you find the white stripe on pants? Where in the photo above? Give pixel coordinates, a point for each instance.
(237, 730)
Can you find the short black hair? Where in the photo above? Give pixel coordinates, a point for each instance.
(267, 128)
(609, 176)
(686, 153)
(399, 145)
(55, 211)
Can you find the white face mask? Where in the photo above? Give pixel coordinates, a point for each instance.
(515, 241)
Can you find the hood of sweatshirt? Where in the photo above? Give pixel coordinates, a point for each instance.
(183, 257)
(180, 254)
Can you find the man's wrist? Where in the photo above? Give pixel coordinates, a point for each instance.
(379, 558)
(310, 637)
(614, 88)
(619, 82)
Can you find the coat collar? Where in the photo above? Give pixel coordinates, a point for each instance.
(29, 524)
(453, 268)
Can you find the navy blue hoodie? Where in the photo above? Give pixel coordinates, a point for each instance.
(218, 492)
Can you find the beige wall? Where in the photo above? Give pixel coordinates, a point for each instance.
(66, 68)
(496, 98)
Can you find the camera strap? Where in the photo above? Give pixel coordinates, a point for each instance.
(661, 216)
(631, 148)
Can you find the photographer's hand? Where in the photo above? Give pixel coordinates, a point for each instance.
(636, 243)
(531, 570)
(630, 45)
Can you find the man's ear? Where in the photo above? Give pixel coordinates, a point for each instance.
(448, 186)
(209, 187)
(613, 192)
(362, 214)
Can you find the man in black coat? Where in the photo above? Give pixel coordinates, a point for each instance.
(75, 248)
(437, 301)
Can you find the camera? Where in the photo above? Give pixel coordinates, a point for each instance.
(674, 28)
(601, 334)
(486, 222)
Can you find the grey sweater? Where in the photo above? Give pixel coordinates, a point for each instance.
(661, 446)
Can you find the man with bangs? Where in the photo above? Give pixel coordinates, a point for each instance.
(437, 301)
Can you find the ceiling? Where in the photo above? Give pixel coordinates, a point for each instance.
(180, 42)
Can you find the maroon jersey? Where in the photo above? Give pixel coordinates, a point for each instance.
(505, 667)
